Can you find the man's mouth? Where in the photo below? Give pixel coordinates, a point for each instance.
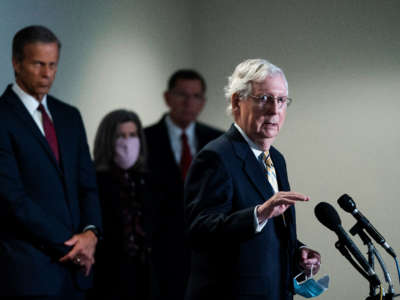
(271, 123)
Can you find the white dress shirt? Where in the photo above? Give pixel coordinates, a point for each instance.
(32, 104)
(174, 134)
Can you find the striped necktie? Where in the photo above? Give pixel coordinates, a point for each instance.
(271, 175)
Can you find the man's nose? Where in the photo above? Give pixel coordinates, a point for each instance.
(273, 107)
(46, 71)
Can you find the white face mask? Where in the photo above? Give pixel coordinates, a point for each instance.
(126, 152)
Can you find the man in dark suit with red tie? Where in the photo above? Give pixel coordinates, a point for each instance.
(49, 213)
(239, 209)
(172, 143)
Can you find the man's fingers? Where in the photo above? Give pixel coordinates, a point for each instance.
(72, 241)
(70, 255)
(288, 200)
(82, 253)
(87, 266)
(285, 202)
(311, 261)
(87, 269)
(278, 204)
(66, 257)
(296, 196)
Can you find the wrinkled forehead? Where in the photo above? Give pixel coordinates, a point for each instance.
(272, 84)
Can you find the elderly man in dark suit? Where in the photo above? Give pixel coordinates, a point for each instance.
(49, 211)
(239, 209)
(172, 142)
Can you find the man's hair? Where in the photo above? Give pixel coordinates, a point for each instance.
(248, 71)
(106, 135)
(186, 74)
(30, 35)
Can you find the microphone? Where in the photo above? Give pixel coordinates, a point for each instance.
(329, 217)
(348, 204)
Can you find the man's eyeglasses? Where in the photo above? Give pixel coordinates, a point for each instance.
(263, 100)
(184, 96)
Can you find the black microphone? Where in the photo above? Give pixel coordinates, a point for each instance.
(329, 217)
(348, 204)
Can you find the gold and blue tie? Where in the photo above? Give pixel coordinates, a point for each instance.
(271, 175)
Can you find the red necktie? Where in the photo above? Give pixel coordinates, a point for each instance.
(186, 157)
(49, 132)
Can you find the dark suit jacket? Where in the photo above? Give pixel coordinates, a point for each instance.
(171, 256)
(42, 204)
(230, 260)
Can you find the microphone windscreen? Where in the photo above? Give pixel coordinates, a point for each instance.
(346, 203)
(327, 215)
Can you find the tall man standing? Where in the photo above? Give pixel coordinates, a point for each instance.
(239, 210)
(172, 143)
(49, 211)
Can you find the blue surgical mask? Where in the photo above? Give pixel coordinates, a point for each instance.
(310, 287)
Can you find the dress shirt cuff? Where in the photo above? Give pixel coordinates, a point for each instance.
(257, 225)
(95, 230)
(88, 227)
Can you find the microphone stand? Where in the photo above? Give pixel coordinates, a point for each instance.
(343, 250)
(372, 251)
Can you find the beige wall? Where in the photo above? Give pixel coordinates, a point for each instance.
(341, 59)
(115, 54)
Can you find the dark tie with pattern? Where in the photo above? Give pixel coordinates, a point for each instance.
(186, 156)
(49, 132)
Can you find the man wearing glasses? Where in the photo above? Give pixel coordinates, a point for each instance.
(172, 143)
(239, 210)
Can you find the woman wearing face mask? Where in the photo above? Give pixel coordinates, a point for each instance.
(123, 260)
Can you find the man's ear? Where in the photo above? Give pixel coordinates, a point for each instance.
(166, 98)
(16, 65)
(235, 100)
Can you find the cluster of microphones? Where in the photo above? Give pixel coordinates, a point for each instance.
(329, 217)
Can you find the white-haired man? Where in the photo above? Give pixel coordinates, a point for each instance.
(239, 210)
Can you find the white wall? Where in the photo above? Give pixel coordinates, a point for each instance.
(115, 54)
(341, 58)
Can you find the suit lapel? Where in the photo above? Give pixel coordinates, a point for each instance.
(251, 166)
(23, 114)
(280, 170)
(168, 154)
(201, 139)
(62, 128)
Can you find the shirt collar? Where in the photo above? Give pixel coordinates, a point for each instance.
(29, 102)
(177, 131)
(257, 151)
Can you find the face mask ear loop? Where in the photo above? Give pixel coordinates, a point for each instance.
(311, 274)
(297, 276)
